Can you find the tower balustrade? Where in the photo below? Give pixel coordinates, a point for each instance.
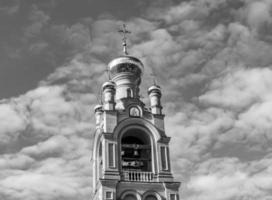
(138, 176)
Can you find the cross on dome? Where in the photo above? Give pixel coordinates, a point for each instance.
(124, 32)
(154, 77)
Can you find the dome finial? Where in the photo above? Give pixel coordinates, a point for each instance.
(124, 31)
(154, 77)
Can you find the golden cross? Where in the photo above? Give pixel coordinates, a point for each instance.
(154, 76)
(124, 32)
(108, 73)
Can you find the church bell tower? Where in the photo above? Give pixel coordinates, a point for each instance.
(131, 149)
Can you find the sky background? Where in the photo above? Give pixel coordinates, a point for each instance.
(212, 58)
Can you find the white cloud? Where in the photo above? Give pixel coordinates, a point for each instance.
(258, 14)
(16, 161)
(8, 116)
(43, 186)
(54, 146)
(242, 88)
(228, 178)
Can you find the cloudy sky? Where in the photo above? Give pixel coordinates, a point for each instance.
(213, 59)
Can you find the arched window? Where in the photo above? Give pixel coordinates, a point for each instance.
(136, 151)
(150, 197)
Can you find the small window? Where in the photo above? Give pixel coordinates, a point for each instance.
(129, 93)
(164, 158)
(111, 154)
(109, 195)
(173, 197)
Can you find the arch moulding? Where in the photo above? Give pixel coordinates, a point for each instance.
(131, 192)
(137, 123)
(147, 193)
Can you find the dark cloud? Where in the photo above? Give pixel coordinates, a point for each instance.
(9, 7)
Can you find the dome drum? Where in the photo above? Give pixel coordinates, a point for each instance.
(126, 72)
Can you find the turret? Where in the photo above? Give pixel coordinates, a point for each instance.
(108, 93)
(154, 93)
(98, 110)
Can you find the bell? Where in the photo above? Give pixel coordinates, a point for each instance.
(136, 153)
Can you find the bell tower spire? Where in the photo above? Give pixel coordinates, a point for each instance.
(131, 158)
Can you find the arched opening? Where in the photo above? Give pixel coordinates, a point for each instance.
(129, 93)
(136, 151)
(150, 197)
(130, 197)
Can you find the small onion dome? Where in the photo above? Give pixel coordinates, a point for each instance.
(154, 88)
(108, 84)
(98, 108)
(126, 64)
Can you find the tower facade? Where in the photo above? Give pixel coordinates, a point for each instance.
(131, 149)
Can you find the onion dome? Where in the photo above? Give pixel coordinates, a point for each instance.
(126, 64)
(108, 84)
(154, 88)
(98, 108)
